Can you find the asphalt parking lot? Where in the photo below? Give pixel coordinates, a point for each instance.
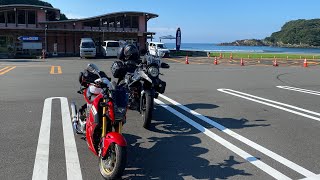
(213, 122)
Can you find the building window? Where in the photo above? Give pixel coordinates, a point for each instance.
(127, 22)
(21, 17)
(2, 18)
(135, 22)
(51, 16)
(105, 23)
(112, 23)
(119, 22)
(31, 17)
(11, 17)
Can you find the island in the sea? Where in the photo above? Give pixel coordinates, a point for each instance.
(298, 33)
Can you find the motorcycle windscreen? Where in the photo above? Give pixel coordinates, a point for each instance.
(120, 99)
(153, 60)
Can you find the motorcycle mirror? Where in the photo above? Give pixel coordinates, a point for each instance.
(165, 66)
(93, 68)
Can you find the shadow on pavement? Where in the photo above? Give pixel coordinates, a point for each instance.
(174, 157)
(238, 123)
(230, 123)
(196, 106)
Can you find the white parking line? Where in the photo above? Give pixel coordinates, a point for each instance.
(40, 170)
(316, 177)
(300, 90)
(71, 153)
(265, 102)
(253, 160)
(244, 140)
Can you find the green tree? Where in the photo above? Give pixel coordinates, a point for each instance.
(31, 2)
(298, 32)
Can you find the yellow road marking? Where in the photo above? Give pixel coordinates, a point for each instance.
(6, 69)
(58, 69)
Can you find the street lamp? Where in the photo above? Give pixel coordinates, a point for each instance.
(45, 37)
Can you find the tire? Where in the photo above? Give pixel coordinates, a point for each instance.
(119, 163)
(147, 109)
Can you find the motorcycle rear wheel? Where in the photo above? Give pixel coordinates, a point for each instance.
(113, 164)
(147, 108)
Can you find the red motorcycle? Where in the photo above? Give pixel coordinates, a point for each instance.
(100, 121)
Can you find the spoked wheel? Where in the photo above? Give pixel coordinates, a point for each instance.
(114, 163)
(147, 108)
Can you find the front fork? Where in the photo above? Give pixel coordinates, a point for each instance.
(104, 120)
(110, 137)
(118, 127)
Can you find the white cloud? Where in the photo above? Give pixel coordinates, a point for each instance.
(74, 16)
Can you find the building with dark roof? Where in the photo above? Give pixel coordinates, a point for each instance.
(25, 30)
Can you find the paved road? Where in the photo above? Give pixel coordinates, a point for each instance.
(213, 122)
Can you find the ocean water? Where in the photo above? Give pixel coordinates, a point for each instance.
(257, 49)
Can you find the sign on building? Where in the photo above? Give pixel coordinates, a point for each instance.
(55, 49)
(29, 38)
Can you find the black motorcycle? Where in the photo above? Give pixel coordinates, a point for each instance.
(143, 85)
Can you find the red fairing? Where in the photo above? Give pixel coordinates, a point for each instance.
(111, 110)
(91, 125)
(112, 137)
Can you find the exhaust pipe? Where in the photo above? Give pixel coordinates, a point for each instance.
(74, 117)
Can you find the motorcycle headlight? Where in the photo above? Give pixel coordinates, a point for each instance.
(153, 71)
(121, 110)
(120, 113)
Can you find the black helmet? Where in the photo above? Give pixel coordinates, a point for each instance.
(120, 54)
(131, 52)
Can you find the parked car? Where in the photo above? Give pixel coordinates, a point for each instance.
(87, 48)
(110, 48)
(158, 49)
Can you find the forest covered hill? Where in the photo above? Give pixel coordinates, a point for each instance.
(296, 33)
(31, 2)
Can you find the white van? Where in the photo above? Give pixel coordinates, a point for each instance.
(158, 49)
(87, 48)
(110, 48)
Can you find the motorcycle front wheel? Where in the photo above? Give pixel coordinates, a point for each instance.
(113, 164)
(147, 108)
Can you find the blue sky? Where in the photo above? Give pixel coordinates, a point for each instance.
(203, 21)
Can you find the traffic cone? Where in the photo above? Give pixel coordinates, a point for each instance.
(241, 62)
(231, 57)
(215, 61)
(187, 59)
(220, 56)
(305, 63)
(275, 63)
